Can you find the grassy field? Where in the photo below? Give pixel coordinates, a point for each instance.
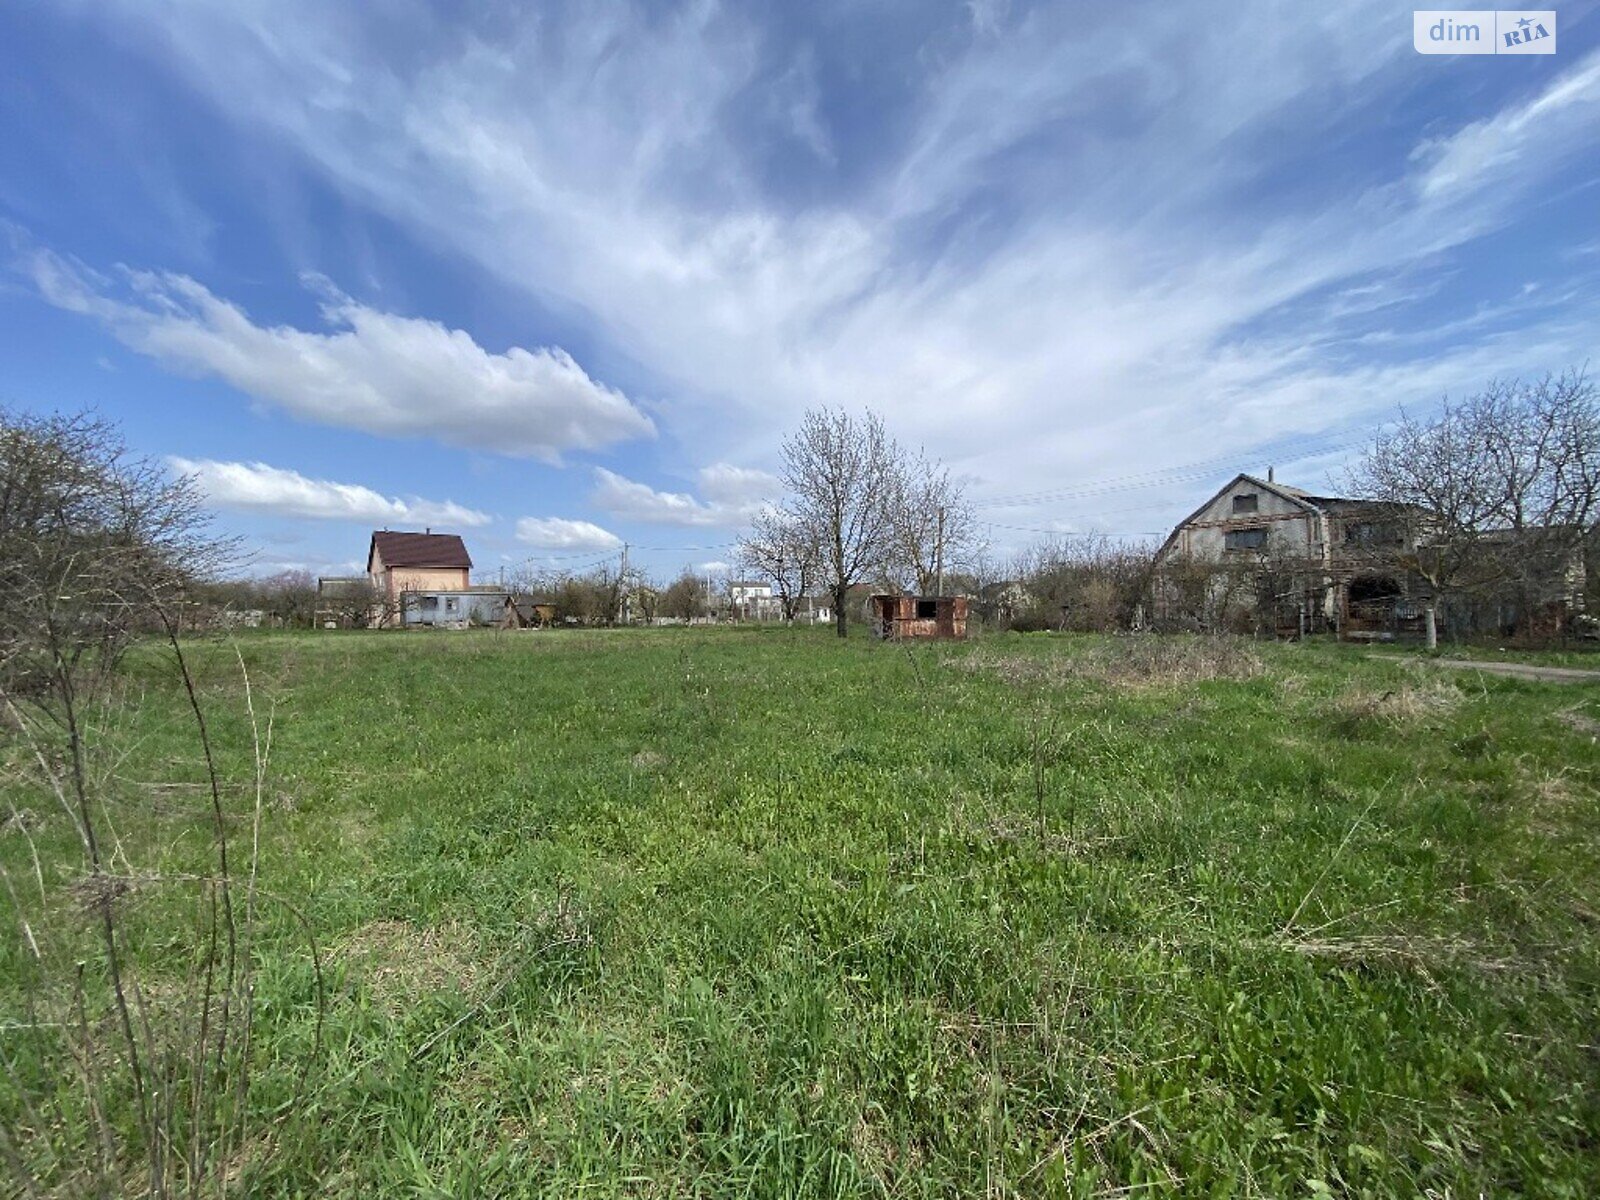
(758, 913)
(1580, 655)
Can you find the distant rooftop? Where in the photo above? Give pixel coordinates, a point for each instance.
(401, 549)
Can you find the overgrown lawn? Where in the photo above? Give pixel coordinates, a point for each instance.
(759, 913)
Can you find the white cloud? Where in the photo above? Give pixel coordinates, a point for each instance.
(257, 487)
(377, 372)
(987, 14)
(635, 501)
(1108, 319)
(558, 533)
(1499, 148)
(733, 495)
(739, 487)
(260, 566)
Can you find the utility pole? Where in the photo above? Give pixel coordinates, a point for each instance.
(938, 554)
(622, 587)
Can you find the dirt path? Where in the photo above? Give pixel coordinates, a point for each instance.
(1514, 670)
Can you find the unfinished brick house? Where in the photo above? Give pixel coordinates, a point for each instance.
(1261, 552)
(1263, 556)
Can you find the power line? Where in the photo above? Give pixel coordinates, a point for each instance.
(1179, 473)
(1185, 473)
(1304, 447)
(1064, 533)
(535, 560)
(674, 549)
(1160, 505)
(567, 557)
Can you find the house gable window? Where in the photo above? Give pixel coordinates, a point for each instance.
(1244, 539)
(1371, 533)
(1246, 504)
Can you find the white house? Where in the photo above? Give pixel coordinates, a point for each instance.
(751, 600)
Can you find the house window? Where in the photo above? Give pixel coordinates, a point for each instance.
(1244, 539)
(429, 603)
(450, 605)
(1367, 533)
(927, 610)
(1246, 504)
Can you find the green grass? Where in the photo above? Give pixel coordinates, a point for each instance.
(1582, 655)
(741, 913)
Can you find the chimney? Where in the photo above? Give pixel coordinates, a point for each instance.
(429, 528)
(1269, 474)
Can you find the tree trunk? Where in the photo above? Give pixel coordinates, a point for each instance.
(1430, 625)
(840, 618)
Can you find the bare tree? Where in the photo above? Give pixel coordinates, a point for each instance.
(1499, 490)
(612, 581)
(344, 603)
(589, 599)
(685, 597)
(128, 1085)
(932, 527)
(1194, 594)
(356, 605)
(645, 597)
(780, 548)
(1089, 583)
(390, 609)
(840, 473)
(93, 544)
(528, 580)
(1292, 587)
(291, 596)
(1544, 449)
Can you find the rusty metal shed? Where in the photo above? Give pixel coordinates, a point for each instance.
(899, 617)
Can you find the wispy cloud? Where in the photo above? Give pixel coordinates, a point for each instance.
(1073, 243)
(743, 488)
(1507, 148)
(559, 533)
(732, 495)
(257, 487)
(374, 371)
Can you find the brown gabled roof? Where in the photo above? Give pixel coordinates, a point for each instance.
(419, 550)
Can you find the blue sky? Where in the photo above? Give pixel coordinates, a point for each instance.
(559, 276)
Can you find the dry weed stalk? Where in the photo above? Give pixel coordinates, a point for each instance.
(159, 1068)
